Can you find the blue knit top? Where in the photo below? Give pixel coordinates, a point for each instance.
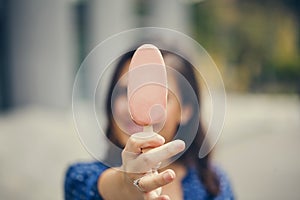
(81, 183)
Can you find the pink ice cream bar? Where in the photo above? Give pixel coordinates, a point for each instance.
(147, 86)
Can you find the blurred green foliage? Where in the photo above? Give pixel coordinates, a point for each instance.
(254, 43)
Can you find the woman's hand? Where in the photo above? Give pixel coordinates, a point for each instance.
(140, 165)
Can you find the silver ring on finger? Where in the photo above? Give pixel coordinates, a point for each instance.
(136, 183)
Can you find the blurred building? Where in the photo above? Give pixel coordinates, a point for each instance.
(255, 44)
(44, 42)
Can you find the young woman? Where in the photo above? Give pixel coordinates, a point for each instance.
(188, 177)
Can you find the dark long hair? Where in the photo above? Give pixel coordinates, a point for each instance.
(190, 156)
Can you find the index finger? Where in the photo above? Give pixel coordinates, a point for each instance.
(159, 154)
(141, 140)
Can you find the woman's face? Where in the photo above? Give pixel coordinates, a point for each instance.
(123, 126)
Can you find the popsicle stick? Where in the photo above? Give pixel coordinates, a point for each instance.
(148, 129)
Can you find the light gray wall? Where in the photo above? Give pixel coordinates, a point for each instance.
(42, 52)
(43, 43)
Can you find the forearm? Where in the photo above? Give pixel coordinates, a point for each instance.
(112, 185)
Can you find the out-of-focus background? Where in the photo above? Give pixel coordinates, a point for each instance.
(255, 44)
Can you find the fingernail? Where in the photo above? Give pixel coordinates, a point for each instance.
(165, 197)
(179, 144)
(168, 176)
(161, 138)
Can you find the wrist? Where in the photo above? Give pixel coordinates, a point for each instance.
(114, 184)
(129, 188)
